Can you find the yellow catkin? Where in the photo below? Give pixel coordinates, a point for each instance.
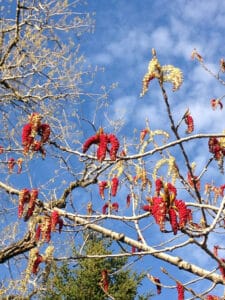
(172, 168)
(172, 75)
(166, 73)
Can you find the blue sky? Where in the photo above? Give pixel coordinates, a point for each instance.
(125, 33)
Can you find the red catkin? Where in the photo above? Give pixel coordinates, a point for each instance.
(56, 220)
(173, 220)
(104, 208)
(190, 123)
(112, 139)
(102, 148)
(31, 204)
(143, 134)
(114, 186)
(11, 164)
(115, 206)
(102, 185)
(182, 212)
(27, 139)
(44, 131)
(158, 186)
(36, 263)
(90, 141)
(128, 199)
(158, 210)
(180, 290)
(24, 197)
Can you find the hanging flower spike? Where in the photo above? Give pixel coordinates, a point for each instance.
(154, 70)
(222, 269)
(143, 134)
(35, 122)
(158, 186)
(180, 290)
(172, 75)
(105, 280)
(114, 186)
(44, 131)
(1, 149)
(214, 147)
(38, 233)
(27, 138)
(104, 208)
(173, 219)
(24, 197)
(112, 139)
(196, 55)
(189, 121)
(31, 204)
(215, 102)
(158, 210)
(115, 206)
(56, 220)
(90, 141)
(193, 179)
(11, 164)
(222, 65)
(36, 264)
(182, 212)
(102, 185)
(172, 192)
(89, 208)
(19, 164)
(156, 281)
(128, 200)
(102, 147)
(37, 146)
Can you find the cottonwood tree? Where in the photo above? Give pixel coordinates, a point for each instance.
(62, 174)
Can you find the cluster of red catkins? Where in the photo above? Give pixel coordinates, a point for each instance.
(31, 131)
(164, 206)
(216, 148)
(103, 140)
(102, 185)
(27, 202)
(47, 225)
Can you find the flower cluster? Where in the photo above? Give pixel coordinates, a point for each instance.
(46, 225)
(216, 147)
(192, 179)
(166, 73)
(12, 163)
(112, 206)
(31, 131)
(212, 297)
(218, 191)
(164, 206)
(27, 202)
(103, 140)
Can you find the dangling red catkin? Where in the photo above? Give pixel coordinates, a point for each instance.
(114, 186)
(102, 148)
(112, 139)
(90, 141)
(180, 290)
(31, 204)
(115, 206)
(11, 164)
(44, 131)
(173, 220)
(27, 139)
(182, 212)
(158, 210)
(104, 208)
(128, 200)
(190, 123)
(24, 197)
(158, 186)
(102, 185)
(36, 263)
